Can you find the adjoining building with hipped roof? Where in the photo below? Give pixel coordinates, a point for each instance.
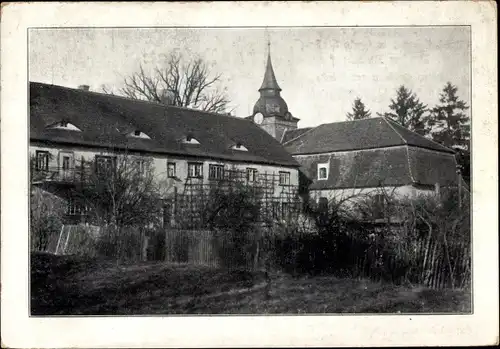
(343, 159)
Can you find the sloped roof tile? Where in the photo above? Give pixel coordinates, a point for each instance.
(393, 166)
(105, 120)
(369, 133)
(357, 169)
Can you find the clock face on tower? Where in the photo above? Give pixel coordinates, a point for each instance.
(258, 118)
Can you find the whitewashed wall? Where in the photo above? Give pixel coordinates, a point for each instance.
(406, 191)
(159, 162)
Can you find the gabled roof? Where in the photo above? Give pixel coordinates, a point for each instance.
(369, 133)
(105, 121)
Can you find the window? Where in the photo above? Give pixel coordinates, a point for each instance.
(66, 160)
(139, 134)
(195, 170)
(75, 207)
(64, 125)
(105, 164)
(276, 209)
(322, 171)
(239, 147)
(42, 160)
(285, 210)
(284, 178)
(252, 175)
(191, 140)
(379, 203)
(140, 165)
(216, 172)
(323, 204)
(171, 170)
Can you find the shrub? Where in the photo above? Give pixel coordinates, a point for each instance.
(46, 212)
(233, 212)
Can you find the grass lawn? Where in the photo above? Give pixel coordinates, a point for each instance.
(62, 285)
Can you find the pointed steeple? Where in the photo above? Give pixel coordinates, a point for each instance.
(269, 82)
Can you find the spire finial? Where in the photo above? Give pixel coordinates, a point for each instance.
(268, 37)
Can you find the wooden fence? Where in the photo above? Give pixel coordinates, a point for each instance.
(205, 247)
(427, 265)
(190, 246)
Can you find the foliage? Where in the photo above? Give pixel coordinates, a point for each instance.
(463, 158)
(233, 210)
(408, 111)
(179, 83)
(232, 206)
(450, 125)
(351, 240)
(358, 111)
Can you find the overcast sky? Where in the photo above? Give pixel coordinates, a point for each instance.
(321, 70)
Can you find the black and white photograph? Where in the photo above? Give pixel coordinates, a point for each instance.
(262, 171)
(294, 170)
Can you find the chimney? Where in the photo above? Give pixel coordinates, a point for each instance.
(84, 87)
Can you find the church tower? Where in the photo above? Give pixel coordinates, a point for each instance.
(271, 111)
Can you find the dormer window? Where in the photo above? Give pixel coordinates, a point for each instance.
(239, 146)
(190, 140)
(64, 125)
(323, 171)
(139, 134)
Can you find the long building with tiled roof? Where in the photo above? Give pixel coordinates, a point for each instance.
(108, 121)
(72, 129)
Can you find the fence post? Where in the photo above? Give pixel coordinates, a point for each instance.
(145, 243)
(59, 240)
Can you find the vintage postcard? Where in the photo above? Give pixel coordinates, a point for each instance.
(249, 174)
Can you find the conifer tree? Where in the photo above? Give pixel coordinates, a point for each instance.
(450, 125)
(359, 111)
(408, 111)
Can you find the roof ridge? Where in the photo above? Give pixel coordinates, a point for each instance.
(419, 135)
(354, 121)
(406, 146)
(135, 100)
(303, 133)
(409, 164)
(392, 127)
(283, 136)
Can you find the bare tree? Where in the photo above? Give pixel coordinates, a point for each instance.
(179, 83)
(120, 190)
(121, 195)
